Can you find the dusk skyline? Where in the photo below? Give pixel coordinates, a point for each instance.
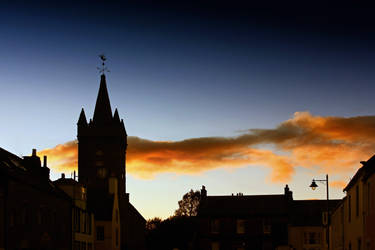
(197, 75)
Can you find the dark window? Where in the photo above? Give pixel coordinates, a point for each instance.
(215, 226)
(359, 243)
(357, 201)
(89, 223)
(89, 246)
(350, 246)
(100, 233)
(349, 210)
(116, 237)
(368, 197)
(83, 245)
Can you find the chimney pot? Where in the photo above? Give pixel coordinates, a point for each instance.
(34, 152)
(45, 161)
(62, 176)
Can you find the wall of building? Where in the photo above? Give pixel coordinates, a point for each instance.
(337, 228)
(369, 213)
(353, 217)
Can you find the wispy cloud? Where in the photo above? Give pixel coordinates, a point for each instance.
(327, 144)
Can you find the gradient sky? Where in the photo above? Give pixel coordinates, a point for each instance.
(184, 71)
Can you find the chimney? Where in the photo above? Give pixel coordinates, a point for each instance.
(45, 161)
(34, 152)
(203, 192)
(288, 194)
(62, 176)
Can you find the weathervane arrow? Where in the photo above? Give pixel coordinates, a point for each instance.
(103, 69)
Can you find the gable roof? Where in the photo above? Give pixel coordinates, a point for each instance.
(365, 171)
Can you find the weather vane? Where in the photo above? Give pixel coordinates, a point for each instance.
(103, 69)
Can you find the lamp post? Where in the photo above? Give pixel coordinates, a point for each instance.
(313, 187)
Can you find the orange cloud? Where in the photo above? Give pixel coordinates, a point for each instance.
(327, 144)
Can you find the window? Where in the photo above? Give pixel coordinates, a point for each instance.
(89, 223)
(89, 246)
(368, 197)
(116, 237)
(215, 226)
(359, 243)
(350, 246)
(76, 245)
(311, 238)
(349, 209)
(357, 201)
(100, 233)
(117, 216)
(83, 245)
(215, 246)
(240, 226)
(12, 218)
(102, 172)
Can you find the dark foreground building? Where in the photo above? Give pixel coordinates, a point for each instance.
(34, 213)
(102, 144)
(241, 222)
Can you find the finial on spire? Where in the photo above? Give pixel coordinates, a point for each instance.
(103, 69)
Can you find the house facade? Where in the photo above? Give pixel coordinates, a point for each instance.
(276, 221)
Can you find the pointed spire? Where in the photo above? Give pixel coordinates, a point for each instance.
(103, 111)
(116, 117)
(82, 118)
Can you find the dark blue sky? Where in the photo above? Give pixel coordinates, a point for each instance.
(180, 70)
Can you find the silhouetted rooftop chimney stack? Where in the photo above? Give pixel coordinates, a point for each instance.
(288, 194)
(203, 192)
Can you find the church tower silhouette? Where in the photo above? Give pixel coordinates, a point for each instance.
(102, 144)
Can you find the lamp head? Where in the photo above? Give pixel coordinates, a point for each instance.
(313, 185)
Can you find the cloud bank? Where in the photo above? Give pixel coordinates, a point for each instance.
(326, 144)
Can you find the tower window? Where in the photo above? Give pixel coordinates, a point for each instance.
(102, 172)
(99, 153)
(99, 163)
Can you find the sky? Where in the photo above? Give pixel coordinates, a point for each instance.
(234, 96)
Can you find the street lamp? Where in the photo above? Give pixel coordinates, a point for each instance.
(313, 187)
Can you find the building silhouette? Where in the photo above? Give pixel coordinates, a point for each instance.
(102, 144)
(34, 213)
(272, 221)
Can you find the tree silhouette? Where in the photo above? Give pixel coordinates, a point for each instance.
(189, 204)
(153, 223)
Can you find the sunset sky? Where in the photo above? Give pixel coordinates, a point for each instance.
(235, 97)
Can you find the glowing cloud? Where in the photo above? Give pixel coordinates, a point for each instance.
(327, 144)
